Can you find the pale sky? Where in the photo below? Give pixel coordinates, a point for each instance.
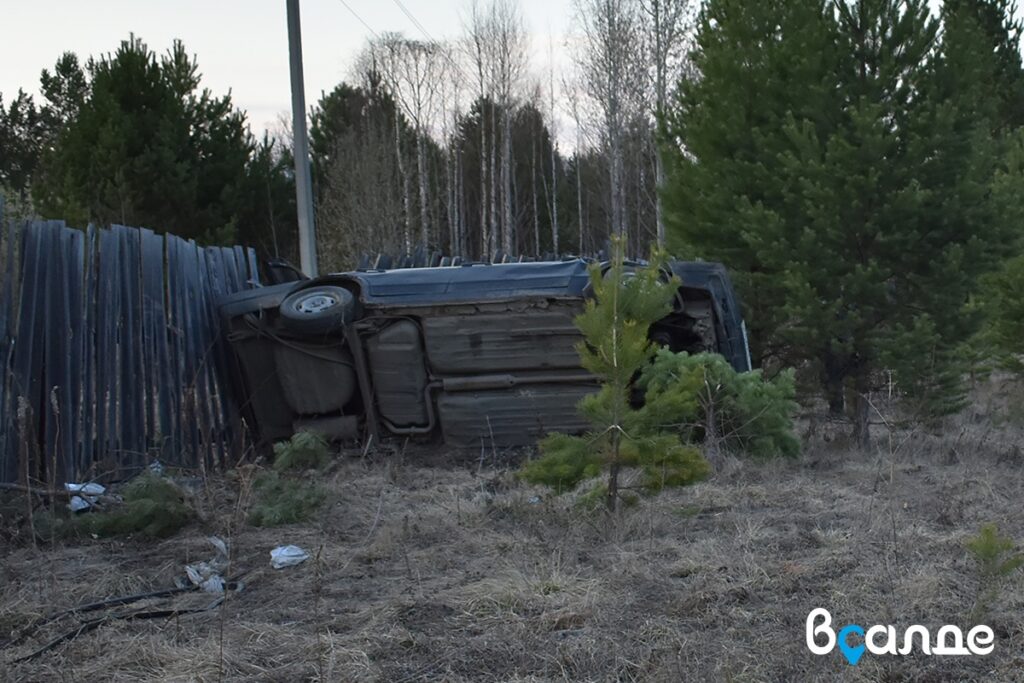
(241, 45)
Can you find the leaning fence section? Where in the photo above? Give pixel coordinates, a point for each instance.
(110, 351)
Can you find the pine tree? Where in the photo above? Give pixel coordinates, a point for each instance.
(709, 403)
(615, 349)
(828, 162)
(766, 71)
(21, 142)
(134, 139)
(1001, 299)
(990, 32)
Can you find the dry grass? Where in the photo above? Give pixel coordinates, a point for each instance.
(444, 572)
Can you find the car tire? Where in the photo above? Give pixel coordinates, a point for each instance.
(318, 310)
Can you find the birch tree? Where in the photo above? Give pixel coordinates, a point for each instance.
(414, 71)
(477, 41)
(360, 201)
(574, 108)
(666, 23)
(613, 78)
(451, 89)
(370, 66)
(509, 44)
(553, 127)
(497, 44)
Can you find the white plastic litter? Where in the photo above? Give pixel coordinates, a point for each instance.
(90, 489)
(287, 556)
(214, 584)
(221, 546)
(88, 495)
(207, 575)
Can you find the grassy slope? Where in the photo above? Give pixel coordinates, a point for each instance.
(446, 573)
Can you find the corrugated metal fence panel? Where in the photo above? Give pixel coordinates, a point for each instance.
(8, 439)
(188, 326)
(222, 277)
(107, 311)
(110, 341)
(133, 446)
(175, 347)
(210, 275)
(158, 359)
(5, 343)
(27, 365)
(202, 344)
(61, 383)
(88, 415)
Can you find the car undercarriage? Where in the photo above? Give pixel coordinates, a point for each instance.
(473, 355)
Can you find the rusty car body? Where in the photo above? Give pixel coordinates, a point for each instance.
(477, 354)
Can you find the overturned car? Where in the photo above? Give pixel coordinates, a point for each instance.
(478, 354)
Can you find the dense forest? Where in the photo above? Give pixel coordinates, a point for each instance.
(449, 145)
(857, 164)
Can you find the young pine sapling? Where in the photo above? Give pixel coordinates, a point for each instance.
(616, 348)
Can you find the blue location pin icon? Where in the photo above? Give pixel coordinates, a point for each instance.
(852, 654)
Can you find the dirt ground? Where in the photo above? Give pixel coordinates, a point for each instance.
(454, 571)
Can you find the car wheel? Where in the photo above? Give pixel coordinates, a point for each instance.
(318, 310)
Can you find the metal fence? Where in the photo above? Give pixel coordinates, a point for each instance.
(110, 352)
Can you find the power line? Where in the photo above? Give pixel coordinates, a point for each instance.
(417, 24)
(428, 36)
(415, 21)
(360, 19)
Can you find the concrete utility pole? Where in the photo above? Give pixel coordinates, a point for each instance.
(303, 181)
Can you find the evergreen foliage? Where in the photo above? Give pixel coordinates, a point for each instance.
(21, 139)
(996, 558)
(306, 450)
(133, 138)
(360, 145)
(846, 160)
(280, 500)
(708, 402)
(615, 349)
(858, 164)
(1002, 300)
(154, 507)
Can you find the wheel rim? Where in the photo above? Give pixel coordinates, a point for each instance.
(315, 303)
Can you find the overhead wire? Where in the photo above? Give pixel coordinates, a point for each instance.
(426, 34)
(360, 19)
(416, 22)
